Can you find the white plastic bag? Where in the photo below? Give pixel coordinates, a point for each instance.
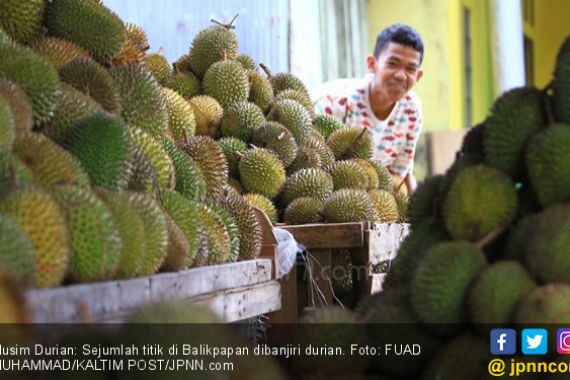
(287, 249)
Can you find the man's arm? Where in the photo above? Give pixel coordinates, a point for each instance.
(411, 184)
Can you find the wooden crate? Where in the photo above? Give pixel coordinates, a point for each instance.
(234, 291)
(372, 246)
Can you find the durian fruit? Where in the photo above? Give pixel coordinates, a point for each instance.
(59, 52)
(76, 21)
(262, 203)
(349, 205)
(22, 21)
(143, 103)
(13, 172)
(40, 218)
(219, 243)
(235, 185)
(326, 124)
(36, 77)
(134, 46)
(402, 202)
(384, 176)
(547, 248)
(49, 163)
(300, 97)
(7, 126)
(277, 139)
(426, 234)
(184, 214)
(386, 205)
(231, 226)
(233, 148)
(315, 183)
(561, 85)
(348, 175)
(545, 305)
(294, 117)
(518, 238)
(497, 292)
(317, 144)
(250, 232)
(182, 65)
(157, 157)
(17, 255)
(425, 200)
(307, 158)
(94, 81)
(350, 142)
(6, 40)
(190, 181)
(155, 230)
(240, 120)
(284, 81)
(181, 121)
(452, 363)
(209, 46)
(209, 157)
(304, 210)
(143, 177)
(227, 82)
(131, 230)
(261, 172)
(185, 83)
(246, 62)
(370, 170)
(472, 187)
(178, 249)
(328, 326)
(93, 235)
(441, 283)
(158, 66)
(101, 144)
(19, 105)
(73, 107)
(546, 158)
(517, 114)
(208, 115)
(260, 90)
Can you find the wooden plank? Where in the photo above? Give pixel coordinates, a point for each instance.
(289, 312)
(238, 304)
(269, 241)
(332, 235)
(97, 301)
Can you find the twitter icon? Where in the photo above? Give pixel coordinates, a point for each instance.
(534, 341)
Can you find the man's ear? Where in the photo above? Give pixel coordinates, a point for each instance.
(419, 75)
(371, 63)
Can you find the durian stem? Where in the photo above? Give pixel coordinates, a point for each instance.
(491, 235)
(357, 140)
(227, 26)
(548, 105)
(266, 69)
(397, 189)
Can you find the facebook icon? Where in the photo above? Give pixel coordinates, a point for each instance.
(503, 342)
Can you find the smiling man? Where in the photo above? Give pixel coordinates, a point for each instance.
(382, 101)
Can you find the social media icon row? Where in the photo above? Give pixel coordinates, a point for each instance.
(533, 341)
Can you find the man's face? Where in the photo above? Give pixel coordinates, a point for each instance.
(396, 70)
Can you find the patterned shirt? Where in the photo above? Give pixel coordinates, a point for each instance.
(394, 138)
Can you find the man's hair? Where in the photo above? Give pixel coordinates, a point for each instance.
(401, 34)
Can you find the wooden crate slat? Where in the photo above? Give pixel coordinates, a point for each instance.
(326, 236)
(101, 301)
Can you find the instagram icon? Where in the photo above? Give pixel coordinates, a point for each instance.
(563, 341)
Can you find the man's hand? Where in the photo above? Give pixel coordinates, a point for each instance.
(411, 183)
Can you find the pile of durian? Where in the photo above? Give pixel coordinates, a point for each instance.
(115, 163)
